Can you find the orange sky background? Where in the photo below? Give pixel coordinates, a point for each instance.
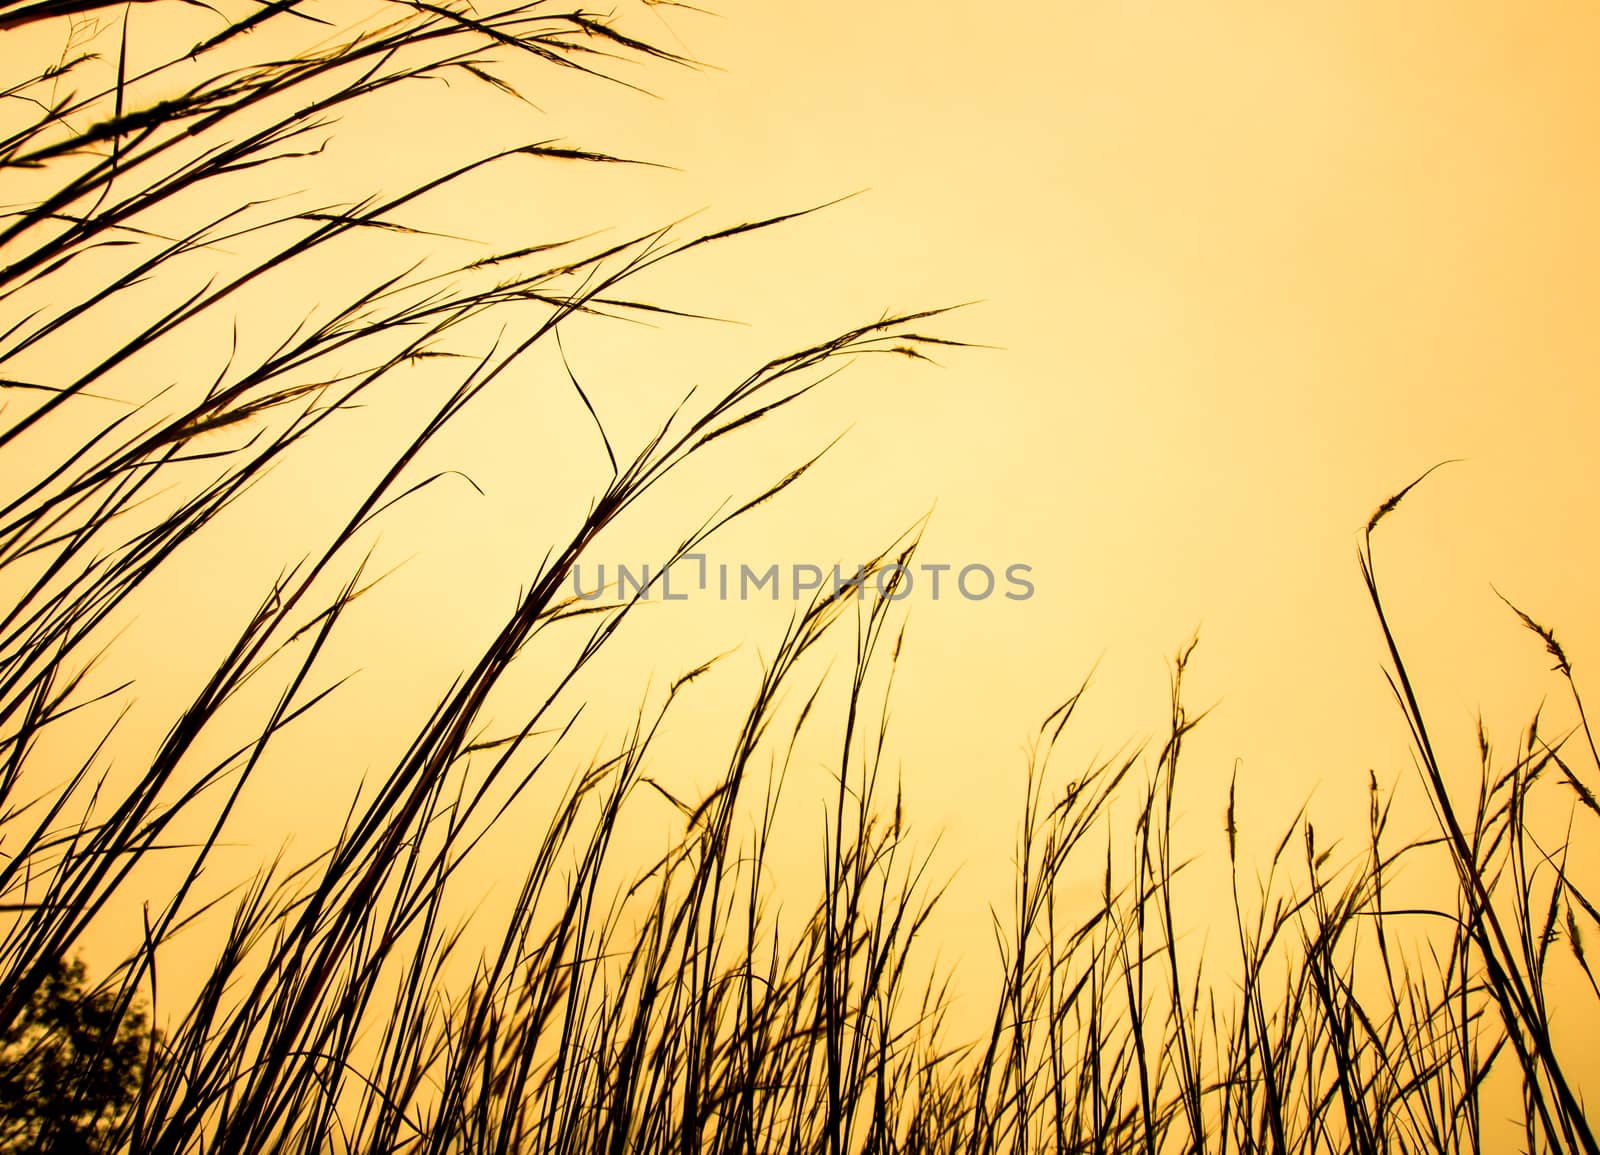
(1248, 270)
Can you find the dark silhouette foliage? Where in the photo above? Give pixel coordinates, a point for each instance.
(70, 1064)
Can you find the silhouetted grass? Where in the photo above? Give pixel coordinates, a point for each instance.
(681, 1011)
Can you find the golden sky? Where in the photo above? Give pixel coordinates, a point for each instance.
(1252, 268)
(1247, 270)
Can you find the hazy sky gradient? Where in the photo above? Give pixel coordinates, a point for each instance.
(1248, 270)
(1253, 268)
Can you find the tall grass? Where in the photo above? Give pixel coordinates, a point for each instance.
(343, 1009)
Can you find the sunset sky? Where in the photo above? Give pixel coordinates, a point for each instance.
(1233, 274)
(1250, 269)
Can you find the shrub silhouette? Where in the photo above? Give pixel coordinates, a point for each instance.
(70, 1065)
